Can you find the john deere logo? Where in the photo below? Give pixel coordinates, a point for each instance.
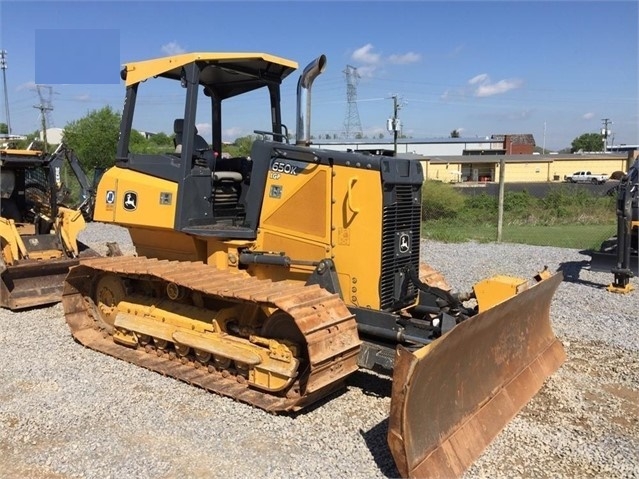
(404, 243)
(130, 200)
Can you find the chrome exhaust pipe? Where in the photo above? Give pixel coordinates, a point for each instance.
(303, 127)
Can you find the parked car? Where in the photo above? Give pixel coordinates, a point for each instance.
(586, 177)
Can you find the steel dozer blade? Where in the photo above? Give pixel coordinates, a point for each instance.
(452, 397)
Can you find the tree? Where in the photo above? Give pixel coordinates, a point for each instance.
(162, 139)
(4, 129)
(241, 146)
(587, 142)
(454, 134)
(94, 137)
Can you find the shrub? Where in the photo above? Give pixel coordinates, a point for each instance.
(518, 201)
(440, 200)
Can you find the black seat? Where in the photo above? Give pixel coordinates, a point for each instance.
(199, 143)
(226, 185)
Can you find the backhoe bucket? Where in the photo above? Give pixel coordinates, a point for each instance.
(34, 283)
(452, 397)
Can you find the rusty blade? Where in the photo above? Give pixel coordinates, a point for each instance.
(451, 398)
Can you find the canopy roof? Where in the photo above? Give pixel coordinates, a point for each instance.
(228, 74)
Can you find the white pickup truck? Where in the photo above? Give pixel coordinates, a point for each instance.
(586, 177)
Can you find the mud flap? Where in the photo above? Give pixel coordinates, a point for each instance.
(451, 398)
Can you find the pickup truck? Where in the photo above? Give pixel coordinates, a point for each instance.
(586, 177)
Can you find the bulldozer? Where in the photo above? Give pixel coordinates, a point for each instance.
(41, 218)
(620, 254)
(271, 278)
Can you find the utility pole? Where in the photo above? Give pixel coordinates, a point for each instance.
(3, 65)
(500, 201)
(605, 132)
(543, 149)
(393, 124)
(44, 107)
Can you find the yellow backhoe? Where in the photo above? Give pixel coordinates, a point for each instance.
(41, 215)
(272, 278)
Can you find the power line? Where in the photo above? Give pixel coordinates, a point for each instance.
(3, 65)
(352, 123)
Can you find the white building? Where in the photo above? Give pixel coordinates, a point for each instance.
(54, 136)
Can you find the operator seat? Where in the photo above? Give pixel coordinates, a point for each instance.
(226, 185)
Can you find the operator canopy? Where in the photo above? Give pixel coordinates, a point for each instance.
(226, 74)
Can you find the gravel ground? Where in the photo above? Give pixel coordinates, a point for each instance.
(66, 411)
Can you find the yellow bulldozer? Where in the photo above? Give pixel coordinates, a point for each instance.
(271, 278)
(41, 217)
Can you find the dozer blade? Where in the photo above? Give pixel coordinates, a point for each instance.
(452, 397)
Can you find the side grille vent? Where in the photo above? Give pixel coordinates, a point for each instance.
(401, 223)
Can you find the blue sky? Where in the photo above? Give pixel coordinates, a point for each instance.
(553, 69)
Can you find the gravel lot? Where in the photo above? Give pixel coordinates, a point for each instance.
(66, 411)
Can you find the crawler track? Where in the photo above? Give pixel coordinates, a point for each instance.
(328, 327)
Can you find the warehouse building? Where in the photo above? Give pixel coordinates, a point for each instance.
(454, 160)
(520, 168)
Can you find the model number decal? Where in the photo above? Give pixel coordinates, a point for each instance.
(286, 168)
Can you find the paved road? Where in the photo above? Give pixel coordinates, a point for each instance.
(534, 188)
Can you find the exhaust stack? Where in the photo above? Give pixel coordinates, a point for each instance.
(303, 127)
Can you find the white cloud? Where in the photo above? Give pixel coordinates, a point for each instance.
(230, 134)
(367, 71)
(368, 61)
(403, 59)
(83, 97)
(484, 87)
(204, 129)
(588, 116)
(30, 85)
(172, 48)
(365, 55)
(481, 78)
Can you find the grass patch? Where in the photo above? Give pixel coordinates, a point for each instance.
(578, 236)
(563, 218)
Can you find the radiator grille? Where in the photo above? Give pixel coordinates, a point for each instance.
(401, 224)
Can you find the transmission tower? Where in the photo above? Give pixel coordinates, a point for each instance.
(3, 66)
(352, 124)
(46, 107)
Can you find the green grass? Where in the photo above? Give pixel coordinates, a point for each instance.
(578, 236)
(563, 218)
